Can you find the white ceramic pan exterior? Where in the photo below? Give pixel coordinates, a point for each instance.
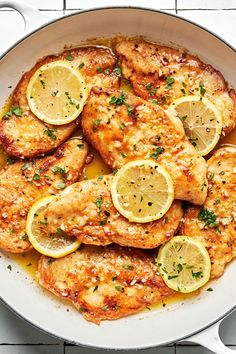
(18, 290)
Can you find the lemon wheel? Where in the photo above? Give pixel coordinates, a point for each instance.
(53, 245)
(142, 191)
(202, 121)
(57, 93)
(184, 264)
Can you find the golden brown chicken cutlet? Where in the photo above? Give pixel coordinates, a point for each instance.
(23, 183)
(165, 74)
(85, 210)
(123, 127)
(22, 134)
(214, 224)
(104, 283)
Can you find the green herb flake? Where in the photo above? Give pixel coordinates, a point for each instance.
(25, 166)
(172, 277)
(95, 289)
(98, 202)
(128, 267)
(100, 178)
(10, 161)
(43, 84)
(61, 185)
(36, 177)
(80, 146)
(69, 57)
(114, 278)
(155, 154)
(202, 89)
(96, 124)
(118, 100)
(148, 86)
(9, 267)
(60, 170)
(119, 288)
(14, 110)
(50, 133)
(117, 71)
(169, 82)
(209, 289)
(99, 70)
(81, 65)
(208, 217)
(196, 275)
(24, 237)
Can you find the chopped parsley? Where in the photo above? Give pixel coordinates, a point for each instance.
(59, 231)
(25, 166)
(117, 71)
(50, 133)
(155, 154)
(96, 124)
(128, 267)
(118, 100)
(10, 161)
(169, 82)
(24, 237)
(57, 169)
(208, 217)
(36, 177)
(81, 65)
(9, 267)
(61, 185)
(14, 110)
(197, 275)
(148, 86)
(80, 146)
(43, 84)
(202, 88)
(99, 70)
(119, 288)
(69, 57)
(98, 202)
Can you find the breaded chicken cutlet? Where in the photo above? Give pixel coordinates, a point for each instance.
(165, 74)
(104, 283)
(124, 127)
(214, 224)
(86, 211)
(23, 183)
(27, 136)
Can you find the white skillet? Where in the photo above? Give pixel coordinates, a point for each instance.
(19, 291)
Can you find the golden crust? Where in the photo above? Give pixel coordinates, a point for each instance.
(220, 240)
(148, 63)
(104, 283)
(23, 183)
(78, 213)
(121, 137)
(27, 136)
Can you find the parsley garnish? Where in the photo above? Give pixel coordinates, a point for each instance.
(9, 267)
(43, 84)
(98, 202)
(36, 177)
(69, 57)
(14, 110)
(99, 70)
(155, 154)
(127, 266)
(209, 217)
(57, 169)
(81, 146)
(25, 166)
(59, 231)
(10, 161)
(117, 71)
(50, 133)
(96, 124)
(196, 275)
(202, 88)
(169, 81)
(119, 288)
(81, 65)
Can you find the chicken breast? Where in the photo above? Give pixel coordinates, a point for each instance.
(164, 74)
(26, 135)
(215, 223)
(104, 283)
(123, 127)
(85, 210)
(23, 183)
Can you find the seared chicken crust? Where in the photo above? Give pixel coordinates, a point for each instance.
(85, 210)
(219, 236)
(165, 74)
(23, 183)
(26, 135)
(137, 129)
(104, 283)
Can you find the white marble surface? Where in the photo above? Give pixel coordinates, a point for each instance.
(18, 337)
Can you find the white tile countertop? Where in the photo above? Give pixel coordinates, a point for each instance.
(17, 336)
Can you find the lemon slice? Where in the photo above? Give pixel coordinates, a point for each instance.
(55, 245)
(57, 93)
(184, 264)
(142, 191)
(201, 120)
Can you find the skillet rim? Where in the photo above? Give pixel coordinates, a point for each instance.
(61, 19)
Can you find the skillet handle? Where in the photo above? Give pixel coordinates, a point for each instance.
(31, 16)
(210, 339)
